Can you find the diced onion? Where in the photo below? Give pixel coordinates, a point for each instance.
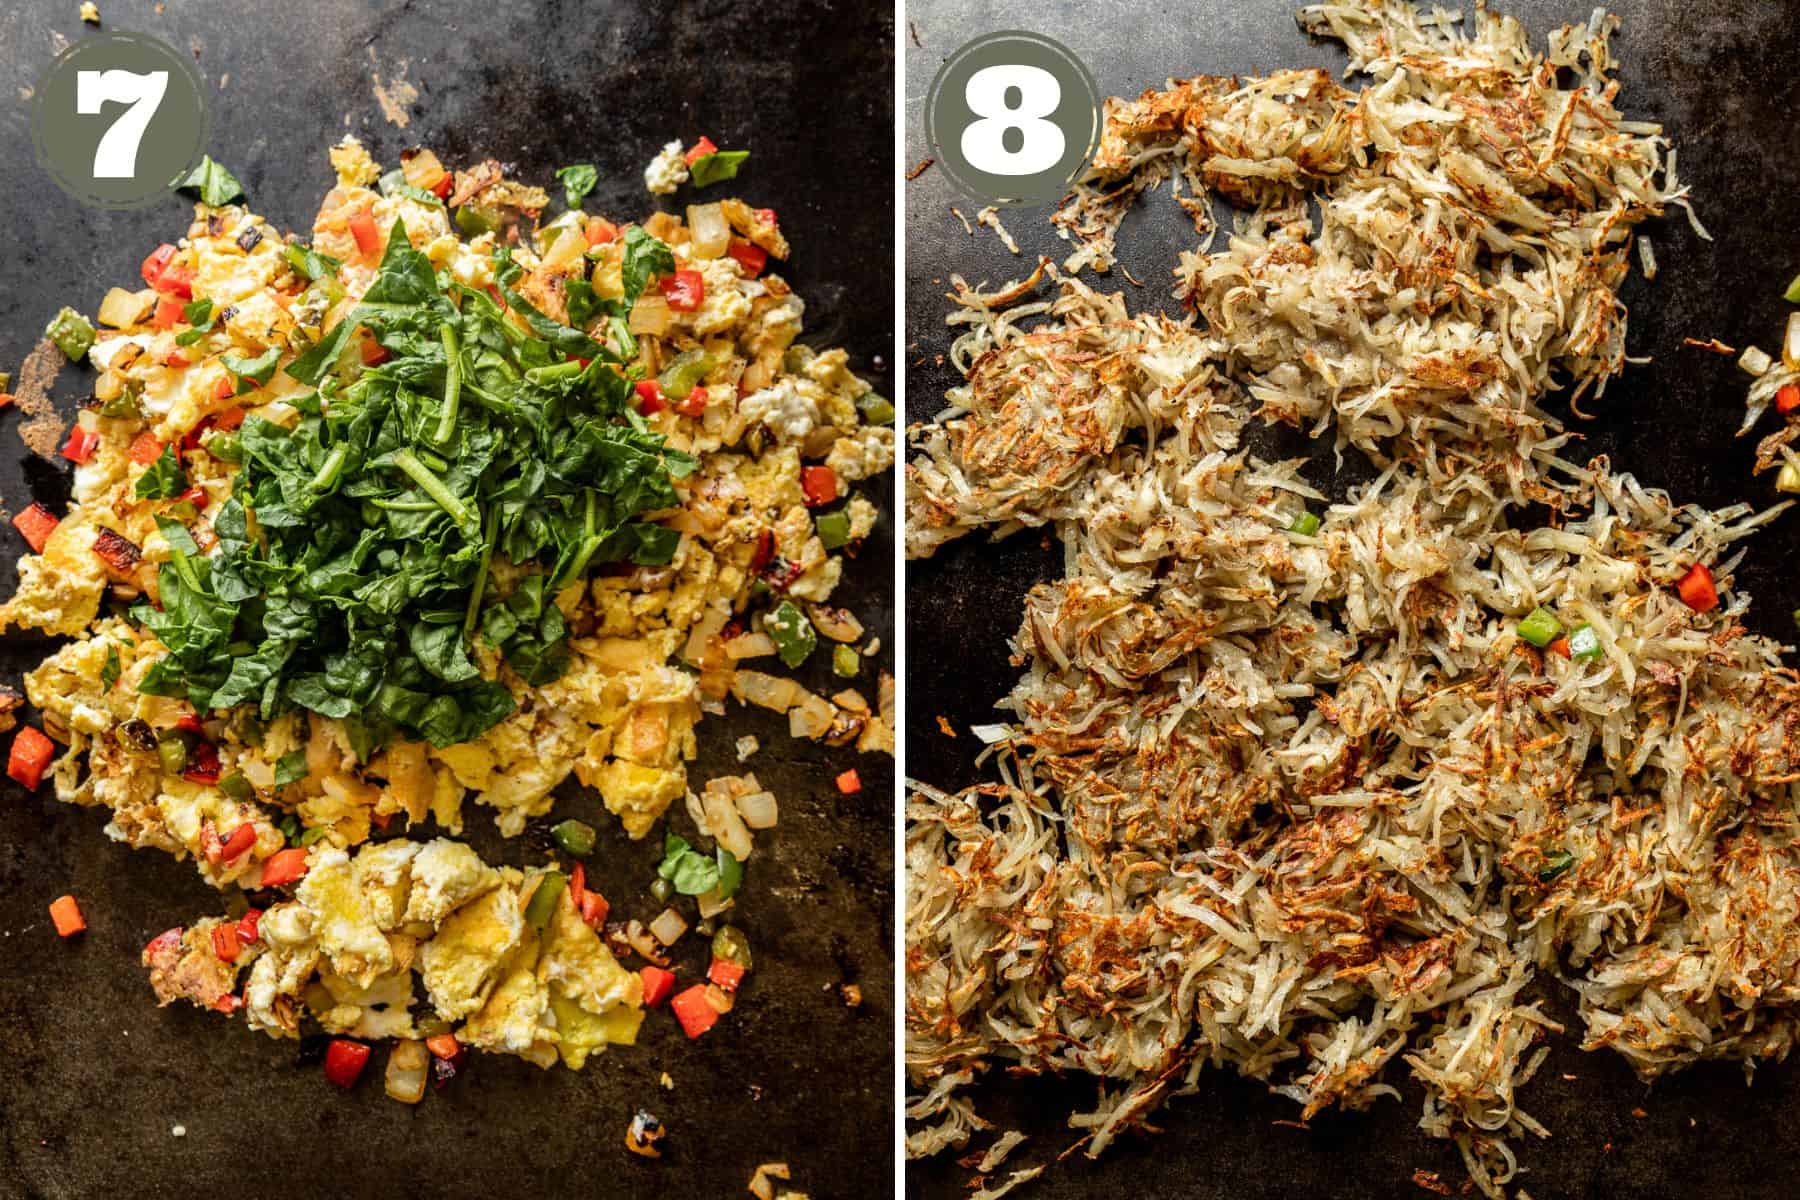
(767, 691)
(641, 941)
(650, 315)
(121, 308)
(838, 624)
(1790, 344)
(1755, 361)
(750, 645)
(708, 234)
(567, 251)
(407, 1067)
(668, 927)
(758, 809)
(711, 905)
(989, 734)
(720, 999)
(1788, 480)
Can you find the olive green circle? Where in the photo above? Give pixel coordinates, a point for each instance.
(65, 140)
(1077, 115)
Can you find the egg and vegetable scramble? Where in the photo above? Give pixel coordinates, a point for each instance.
(445, 502)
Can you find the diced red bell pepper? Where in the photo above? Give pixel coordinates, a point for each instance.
(65, 914)
(177, 281)
(117, 551)
(444, 1046)
(1787, 398)
(190, 723)
(344, 1062)
(1697, 589)
(849, 783)
(819, 485)
(175, 358)
(168, 313)
(694, 1011)
(202, 764)
(444, 186)
(362, 228)
(727, 975)
(168, 939)
(225, 941)
(228, 1004)
(650, 397)
(82, 444)
(31, 754)
(247, 925)
(145, 448)
(765, 551)
(239, 843)
(498, 296)
(229, 419)
(600, 231)
(1561, 646)
(285, 866)
(591, 905)
(684, 290)
(195, 496)
(658, 984)
(700, 150)
(211, 848)
(752, 258)
(157, 263)
(695, 404)
(225, 389)
(37, 523)
(373, 352)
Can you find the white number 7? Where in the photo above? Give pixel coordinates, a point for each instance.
(116, 155)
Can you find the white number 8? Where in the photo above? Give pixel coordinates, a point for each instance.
(984, 141)
(116, 155)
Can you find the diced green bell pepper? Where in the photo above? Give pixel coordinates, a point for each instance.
(72, 333)
(792, 632)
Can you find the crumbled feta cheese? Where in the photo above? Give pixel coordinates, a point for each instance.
(667, 171)
(788, 413)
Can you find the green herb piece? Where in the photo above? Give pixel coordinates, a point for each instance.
(163, 479)
(686, 869)
(213, 183)
(394, 184)
(290, 768)
(109, 670)
(833, 529)
(312, 835)
(72, 333)
(1584, 643)
(1540, 627)
(575, 837)
(542, 905)
(172, 752)
(309, 262)
(236, 786)
(202, 315)
(845, 661)
(644, 258)
(578, 180)
(875, 409)
(1555, 865)
(731, 872)
(1792, 295)
(792, 632)
(717, 167)
(258, 370)
(1306, 524)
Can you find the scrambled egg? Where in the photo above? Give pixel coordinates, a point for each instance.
(646, 661)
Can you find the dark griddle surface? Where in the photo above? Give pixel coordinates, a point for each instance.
(1722, 77)
(92, 1074)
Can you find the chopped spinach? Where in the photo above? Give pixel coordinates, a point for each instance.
(352, 574)
(214, 184)
(578, 180)
(163, 479)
